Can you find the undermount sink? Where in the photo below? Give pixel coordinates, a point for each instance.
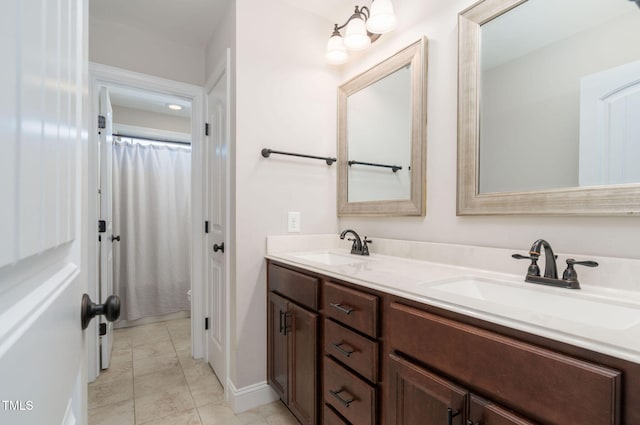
(330, 258)
(569, 305)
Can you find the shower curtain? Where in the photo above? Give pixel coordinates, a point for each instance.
(152, 215)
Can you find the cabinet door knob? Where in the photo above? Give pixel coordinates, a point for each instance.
(217, 247)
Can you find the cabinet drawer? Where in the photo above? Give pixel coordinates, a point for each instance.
(349, 395)
(352, 349)
(329, 417)
(355, 309)
(296, 286)
(544, 385)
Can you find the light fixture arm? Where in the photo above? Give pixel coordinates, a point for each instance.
(362, 12)
(364, 26)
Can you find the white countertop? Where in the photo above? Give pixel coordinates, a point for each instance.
(604, 321)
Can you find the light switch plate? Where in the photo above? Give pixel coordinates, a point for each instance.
(293, 222)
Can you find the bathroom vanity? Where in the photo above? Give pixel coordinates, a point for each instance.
(348, 343)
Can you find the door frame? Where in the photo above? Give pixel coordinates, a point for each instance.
(223, 67)
(104, 75)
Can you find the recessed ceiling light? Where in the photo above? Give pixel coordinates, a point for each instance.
(175, 107)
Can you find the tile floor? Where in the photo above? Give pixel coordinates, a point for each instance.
(153, 380)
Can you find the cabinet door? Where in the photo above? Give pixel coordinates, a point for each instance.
(483, 412)
(277, 355)
(419, 397)
(303, 357)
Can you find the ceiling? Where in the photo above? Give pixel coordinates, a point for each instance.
(193, 22)
(148, 101)
(190, 23)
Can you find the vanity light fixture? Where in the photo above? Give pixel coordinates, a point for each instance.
(174, 107)
(361, 29)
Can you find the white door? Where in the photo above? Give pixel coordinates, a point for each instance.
(610, 126)
(107, 237)
(216, 290)
(43, 136)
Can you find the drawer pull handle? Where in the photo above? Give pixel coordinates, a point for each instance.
(283, 322)
(344, 402)
(340, 307)
(451, 415)
(347, 352)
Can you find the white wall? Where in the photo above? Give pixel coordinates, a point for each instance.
(132, 116)
(606, 236)
(286, 100)
(129, 48)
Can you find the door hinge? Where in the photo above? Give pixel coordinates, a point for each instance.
(206, 129)
(206, 323)
(103, 329)
(102, 121)
(102, 226)
(206, 226)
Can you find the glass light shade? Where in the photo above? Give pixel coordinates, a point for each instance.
(382, 18)
(336, 52)
(355, 36)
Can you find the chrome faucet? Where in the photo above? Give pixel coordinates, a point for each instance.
(359, 246)
(569, 277)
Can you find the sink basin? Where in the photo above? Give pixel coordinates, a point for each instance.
(569, 305)
(330, 259)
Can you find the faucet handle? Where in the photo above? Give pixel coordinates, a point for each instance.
(534, 269)
(365, 247)
(570, 272)
(521, 257)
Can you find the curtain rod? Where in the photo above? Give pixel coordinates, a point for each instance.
(152, 139)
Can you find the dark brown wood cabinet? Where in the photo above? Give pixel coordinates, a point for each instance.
(419, 397)
(292, 341)
(350, 373)
(484, 412)
(340, 354)
(278, 356)
(544, 385)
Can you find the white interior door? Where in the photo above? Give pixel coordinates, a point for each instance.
(42, 346)
(610, 126)
(106, 213)
(216, 287)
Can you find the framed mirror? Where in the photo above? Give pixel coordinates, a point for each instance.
(382, 137)
(549, 107)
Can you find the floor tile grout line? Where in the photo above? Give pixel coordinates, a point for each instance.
(133, 380)
(185, 376)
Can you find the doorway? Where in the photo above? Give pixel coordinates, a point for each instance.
(136, 99)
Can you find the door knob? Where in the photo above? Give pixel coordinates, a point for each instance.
(89, 309)
(217, 247)
(115, 238)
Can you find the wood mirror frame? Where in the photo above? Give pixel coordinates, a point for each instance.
(593, 200)
(414, 55)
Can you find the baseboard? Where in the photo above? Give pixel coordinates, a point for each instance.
(249, 397)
